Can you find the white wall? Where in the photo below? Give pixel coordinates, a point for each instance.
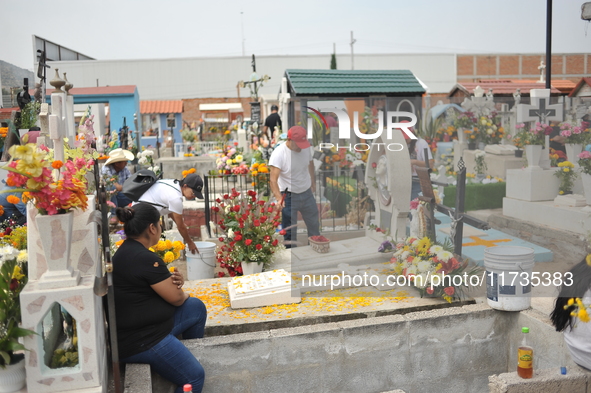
(168, 79)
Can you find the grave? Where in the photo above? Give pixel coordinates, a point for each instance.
(532, 192)
(59, 301)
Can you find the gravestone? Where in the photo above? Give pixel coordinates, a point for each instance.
(389, 183)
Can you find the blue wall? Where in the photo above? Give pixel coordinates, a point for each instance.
(176, 131)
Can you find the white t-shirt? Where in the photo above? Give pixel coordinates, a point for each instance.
(166, 196)
(420, 152)
(578, 339)
(294, 175)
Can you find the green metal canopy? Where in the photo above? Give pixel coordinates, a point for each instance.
(352, 82)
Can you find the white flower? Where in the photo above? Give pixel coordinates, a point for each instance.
(489, 131)
(435, 249)
(139, 155)
(404, 254)
(411, 270)
(142, 161)
(147, 153)
(358, 155)
(424, 266)
(7, 253)
(445, 255)
(230, 234)
(23, 256)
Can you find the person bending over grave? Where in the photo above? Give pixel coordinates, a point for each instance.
(577, 333)
(416, 149)
(151, 307)
(166, 196)
(292, 184)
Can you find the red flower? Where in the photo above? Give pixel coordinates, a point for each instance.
(261, 203)
(269, 209)
(215, 209)
(430, 290)
(236, 208)
(259, 246)
(248, 242)
(13, 284)
(221, 274)
(267, 238)
(218, 200)
(238, 237)
(274, 242)
(256, 223)
(226, 196)
(221, 239)
(282, 232)
(263, 218)
(449, 291)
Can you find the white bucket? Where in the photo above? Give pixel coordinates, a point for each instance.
(201, 265)
(508, 277)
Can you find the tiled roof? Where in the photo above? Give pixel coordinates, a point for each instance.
(147, 107)
(315, 82)
(582, 82)
(503, 86)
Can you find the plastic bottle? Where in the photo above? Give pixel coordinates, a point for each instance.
(525, 357)
(187, 388)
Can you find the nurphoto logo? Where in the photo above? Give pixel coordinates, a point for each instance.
(344, 122)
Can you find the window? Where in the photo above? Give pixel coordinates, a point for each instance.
(171, 121)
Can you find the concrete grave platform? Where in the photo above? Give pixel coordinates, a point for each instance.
(475, 241)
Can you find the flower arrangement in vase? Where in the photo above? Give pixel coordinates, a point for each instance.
(580, 135)
(30, 169)
(230, 161)
(567, 177)
(491, 131)
(250, 228)
(480, 164)
(585, 162)
(533, 134)
(431, 268)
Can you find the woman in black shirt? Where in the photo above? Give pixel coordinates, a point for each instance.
(151, 307)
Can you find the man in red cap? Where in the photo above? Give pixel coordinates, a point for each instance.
(292, 183)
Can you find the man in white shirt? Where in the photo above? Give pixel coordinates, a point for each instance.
(167, 196)
(292, 184)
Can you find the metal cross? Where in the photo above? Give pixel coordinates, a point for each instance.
(542, 113)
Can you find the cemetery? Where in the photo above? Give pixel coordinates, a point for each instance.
(395, 295)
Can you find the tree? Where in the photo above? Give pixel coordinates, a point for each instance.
(333, 61)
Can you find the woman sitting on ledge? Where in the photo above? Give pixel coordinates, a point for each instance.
(577, 334)
(151, 307)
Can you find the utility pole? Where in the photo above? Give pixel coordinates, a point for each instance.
(548, 43)
(242, 27)
(352, 42)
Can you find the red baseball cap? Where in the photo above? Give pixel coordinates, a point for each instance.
(299, 135)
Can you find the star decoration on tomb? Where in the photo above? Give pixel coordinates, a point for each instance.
(478, 241)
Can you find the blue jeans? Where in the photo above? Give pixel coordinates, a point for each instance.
(120, 200)
(170, 358)
(415, 190)
(305, 203)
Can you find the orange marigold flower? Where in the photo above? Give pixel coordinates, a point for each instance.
(10, 182)
(57, 164)
(1, 212)
(12, 199)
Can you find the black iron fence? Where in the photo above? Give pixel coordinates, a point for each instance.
(341, 196)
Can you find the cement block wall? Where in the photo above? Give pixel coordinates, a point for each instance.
(416, 352)
(458, 349)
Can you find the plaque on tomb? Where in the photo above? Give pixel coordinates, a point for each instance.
(263, 289)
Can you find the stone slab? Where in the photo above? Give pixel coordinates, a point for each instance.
(263, 289)
(573, 200)
(473, 245)
(573, 219)
(497, 165)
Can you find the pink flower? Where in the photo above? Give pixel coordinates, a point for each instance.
(584, 154)
(565, 133)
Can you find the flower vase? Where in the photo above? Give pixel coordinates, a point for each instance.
(479, 177)
(56, 248)
(481, 145)
(13, 377)
(572, 152)
(251, 267)
(518, 153)
(533, 154)
(461, 135)
(471, 145)
(586, 179)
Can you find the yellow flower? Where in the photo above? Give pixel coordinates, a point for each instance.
(588, 259)
(151, 249)
(17, 273)
(570, 302)
(178, 245)
(238, 158)
(168, 257)
(160, 246)
(168, 244)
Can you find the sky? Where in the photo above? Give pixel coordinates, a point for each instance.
(148, 29)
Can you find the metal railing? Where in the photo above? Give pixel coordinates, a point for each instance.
(341, 196)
